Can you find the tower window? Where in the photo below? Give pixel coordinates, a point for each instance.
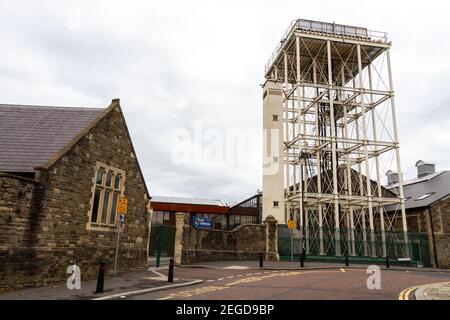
(276, 204)
(274, 117)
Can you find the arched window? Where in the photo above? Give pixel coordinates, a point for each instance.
(108, 189)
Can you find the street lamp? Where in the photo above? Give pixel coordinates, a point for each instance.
(302, 158)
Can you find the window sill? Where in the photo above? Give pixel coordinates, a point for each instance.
(99, 227)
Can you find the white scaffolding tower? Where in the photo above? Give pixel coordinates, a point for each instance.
(339, 137)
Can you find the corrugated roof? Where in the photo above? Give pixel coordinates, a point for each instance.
(179, 200)
(31, 135)
(437, 185)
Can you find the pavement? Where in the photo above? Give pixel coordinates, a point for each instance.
(114, 287)
(437, 291)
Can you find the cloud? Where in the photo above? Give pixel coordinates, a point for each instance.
(176, 62)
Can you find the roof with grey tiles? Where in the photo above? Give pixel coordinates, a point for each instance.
(31, 135)
(424, 191)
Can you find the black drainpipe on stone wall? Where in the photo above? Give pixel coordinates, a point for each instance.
(432, 235)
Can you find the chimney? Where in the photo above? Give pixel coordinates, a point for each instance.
(392, 178)
(424, 168)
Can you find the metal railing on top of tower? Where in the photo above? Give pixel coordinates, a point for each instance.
(326, 27)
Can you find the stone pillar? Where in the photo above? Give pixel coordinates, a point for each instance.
(271, 232)
(180, 223)
(149, 222)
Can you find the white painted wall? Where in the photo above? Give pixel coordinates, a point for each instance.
(273, 174)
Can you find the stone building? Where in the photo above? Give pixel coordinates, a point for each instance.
(62, 172)
(427, 203)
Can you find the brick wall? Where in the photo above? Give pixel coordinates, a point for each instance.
(43, 228)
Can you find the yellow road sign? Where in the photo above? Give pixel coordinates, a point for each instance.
(123, 205)
(292, 224)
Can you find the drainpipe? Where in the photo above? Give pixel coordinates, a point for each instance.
(432, 235)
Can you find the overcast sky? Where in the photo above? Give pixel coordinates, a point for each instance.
(181, 65)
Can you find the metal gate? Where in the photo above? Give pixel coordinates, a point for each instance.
(162, 241)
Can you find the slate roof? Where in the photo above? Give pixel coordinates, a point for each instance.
(438, 184)
(31, 135)
(197, 201)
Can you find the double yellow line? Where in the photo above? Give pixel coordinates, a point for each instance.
(404, 295)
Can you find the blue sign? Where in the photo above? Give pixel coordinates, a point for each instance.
(205, 223)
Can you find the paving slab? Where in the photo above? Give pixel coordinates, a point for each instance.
(437, 291)
(128, 282)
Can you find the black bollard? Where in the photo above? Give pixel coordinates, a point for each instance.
(302, 259)
(261, 260)
(387, 262)
(346, 259)
(170, 276)
(101, 278)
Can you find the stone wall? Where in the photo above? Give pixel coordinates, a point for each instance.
(245, 242)
(43, 227)
(20, 201)
(441, 224)
(419, 221)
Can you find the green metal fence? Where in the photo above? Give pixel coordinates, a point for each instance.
(162, 241)
(361, 245)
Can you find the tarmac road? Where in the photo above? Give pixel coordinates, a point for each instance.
(328, 284)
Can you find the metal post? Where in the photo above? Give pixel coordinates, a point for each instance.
(261, 260)
(346, 258)
(361, 184)
(170, 275)
(387, 262)
(158, 246)
(377, 162)
(286, 129)
(302, 220)
(397, 155)
(292, 245)
(366, 153)
(119, 227)
(333, 152)
(319, 175)
(101, 278)
(350, 214)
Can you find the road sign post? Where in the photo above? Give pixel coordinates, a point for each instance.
(292, 224)
(292, 245)
(122, 211)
